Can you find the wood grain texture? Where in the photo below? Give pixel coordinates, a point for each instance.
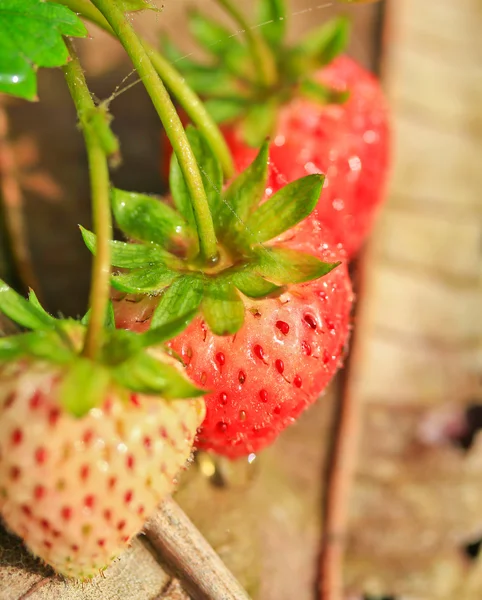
(419, 352)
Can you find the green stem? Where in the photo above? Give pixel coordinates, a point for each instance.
(263, 56)
(170, 119)
(194, 108)
(174, 81)
(100, 189)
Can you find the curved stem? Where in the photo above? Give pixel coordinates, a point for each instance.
(170, 119)
(194, 108)
(174, 81)
(263, 57)
(100, 189)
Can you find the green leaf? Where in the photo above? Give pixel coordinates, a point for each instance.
(326, 43)
(129, 256)
(223, 110)
(159, 335)
(150, 220)
(211, 35)
(44, 345)
(290, 205)
(322, 93)
(30, 37)
(253, 285)
(147, 375)
(241, 199)
(144, 281)
(222, 308)
(284, 266)
(211, 173)
(182, 297)
(22, 311)
(259, 122)
(272, 17)
(84, 387)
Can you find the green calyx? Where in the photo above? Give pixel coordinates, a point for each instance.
(159, 261)
(229, 82)
(124, 363)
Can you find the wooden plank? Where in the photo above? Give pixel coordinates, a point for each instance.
(419, 353)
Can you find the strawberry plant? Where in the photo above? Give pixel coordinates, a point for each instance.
(324, 112)
(234, 286)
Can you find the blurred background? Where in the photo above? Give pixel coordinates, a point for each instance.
(415, 370)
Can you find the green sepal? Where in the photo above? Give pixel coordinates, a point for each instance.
(222, 308)
(130, 256)
(109, 322)
(182, 297)
(144, 281)
(326, 43)
(147, 375)
(159, 335)
(30, 37)
(323, 94)
(206, 80)
(271, 15)
(241, 199)
(136, 5)
(43, 345)
(149, 219)
(23, 312)
(284, 266)
(34, 301)
(259, 122)
(211, 173)
(253, 285)
(285, 209)
(84, 386)
(224, 110)
(174, 54)
(211, 35)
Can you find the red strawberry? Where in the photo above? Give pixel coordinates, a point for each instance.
(272, 313)
(77, 490)
(348, 142)
(324, 114)
(276, 365)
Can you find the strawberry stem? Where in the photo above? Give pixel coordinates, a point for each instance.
(175, 82)
(100, 188)
(263, 57)
(171, 121)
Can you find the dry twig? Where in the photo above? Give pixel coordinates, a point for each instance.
(190, 557)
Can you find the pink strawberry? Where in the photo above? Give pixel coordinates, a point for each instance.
(87, 448)
(77, 490)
